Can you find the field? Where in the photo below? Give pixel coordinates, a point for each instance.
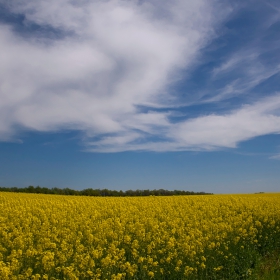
(178, 237)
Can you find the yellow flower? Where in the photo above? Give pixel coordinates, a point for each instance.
(202, 265)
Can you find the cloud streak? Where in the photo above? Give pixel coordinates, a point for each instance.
(206, 133)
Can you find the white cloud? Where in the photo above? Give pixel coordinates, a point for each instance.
(277, 156)
(113, 56)
(227, 130)
(245, 71)
(209, 132)
(227, 66)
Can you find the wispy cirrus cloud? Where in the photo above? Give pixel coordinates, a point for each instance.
(205, 133)
(96, 64)
(246, 72)
(111, 57)
(277, 156)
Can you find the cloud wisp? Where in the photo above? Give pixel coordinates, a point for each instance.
(277, 156)
(205, 133)
(96, 63)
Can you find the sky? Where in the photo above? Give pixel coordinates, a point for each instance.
(136, 94)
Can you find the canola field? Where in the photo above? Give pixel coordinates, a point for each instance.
(179, 237)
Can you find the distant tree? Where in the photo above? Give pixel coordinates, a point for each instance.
(98, 192)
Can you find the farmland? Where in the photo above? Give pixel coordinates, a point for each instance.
(176, 237)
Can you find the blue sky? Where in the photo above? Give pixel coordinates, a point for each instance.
(133, 94)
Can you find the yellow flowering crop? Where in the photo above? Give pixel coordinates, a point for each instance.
(184, 237)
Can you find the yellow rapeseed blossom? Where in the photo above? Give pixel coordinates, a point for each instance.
(180, 237)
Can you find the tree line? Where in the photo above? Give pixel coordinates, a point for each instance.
(99, 192)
